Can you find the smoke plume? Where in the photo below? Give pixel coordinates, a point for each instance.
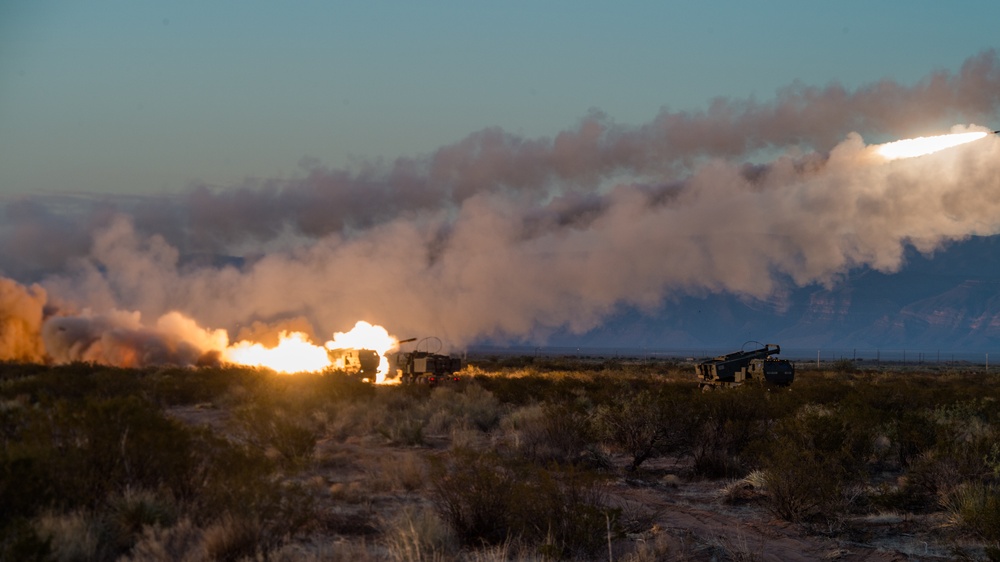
(498, 236)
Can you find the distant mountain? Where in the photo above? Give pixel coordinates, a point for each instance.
(948, 301)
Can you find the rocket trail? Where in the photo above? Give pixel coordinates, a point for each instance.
(501, 237)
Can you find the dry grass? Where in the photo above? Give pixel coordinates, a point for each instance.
(234, 538)
(405, 471)
(370, 483)
(350, 492)
(739, 547)
(419, 535)
(179, 543)
(74, 536)
(327, 552)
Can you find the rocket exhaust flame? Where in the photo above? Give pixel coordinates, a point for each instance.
(502, 238)
(295, 354)
(367, 336)
(909, 148)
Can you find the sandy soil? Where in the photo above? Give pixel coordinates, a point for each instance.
(362, 483)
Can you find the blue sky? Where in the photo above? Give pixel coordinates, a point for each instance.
(146, 97)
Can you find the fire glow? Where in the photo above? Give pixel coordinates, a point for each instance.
(294, 353)
(909, 148)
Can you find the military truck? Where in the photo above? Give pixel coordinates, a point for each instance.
(359, 362)
(756, 365)
(424, 366)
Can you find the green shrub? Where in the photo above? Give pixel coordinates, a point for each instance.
(643, 425)
(74, 454)
(490, 500)
(813, 457)
(474, 494)
(178, 385)
(800, 483)
(545, 433)
(471, 406)
(724, 426)
(976, 507)
(128, 513)
(517, 390)
(272, 428)
(964, 450)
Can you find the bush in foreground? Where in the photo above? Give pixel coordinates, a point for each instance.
(491, 500)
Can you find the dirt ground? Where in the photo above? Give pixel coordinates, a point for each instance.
(361, 484)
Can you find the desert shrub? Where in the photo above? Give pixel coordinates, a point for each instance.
(104, 534)
(910, 433)
(643, 425)
(634, 425)
(115, 444)
(235, 537)
(744, 490)
(800, 483)
(14, 371)
(724, 426)
(474, 406)
(546, 433)
(72, 381)
(844, 366)
(355, 419)
(127, 514)
(391, 472)
(812, 458)
(964, 450)
(416, 535)
(273, 428)
(517, 390)
(25, 461)
(473, 493)
(234, 478)
(335, 387)
(179, 385)
(975, 507)
(72, 537)
(490, 500)
(74, 454)
(406, 429)
(468, 438)
(181, 542)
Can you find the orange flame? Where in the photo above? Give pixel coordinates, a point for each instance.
(366, 336)
(293, 354)
(296, 354)
(909, 148)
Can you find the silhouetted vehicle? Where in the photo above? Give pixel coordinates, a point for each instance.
(360, 362)
(755, 365)
(424, 366)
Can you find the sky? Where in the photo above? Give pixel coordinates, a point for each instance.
(175, 177)
(152, 97)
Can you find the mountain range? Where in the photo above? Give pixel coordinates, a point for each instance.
(945, 303)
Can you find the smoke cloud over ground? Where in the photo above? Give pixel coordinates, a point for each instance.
(498, 236)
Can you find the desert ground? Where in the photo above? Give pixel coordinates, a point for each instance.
(522, 459)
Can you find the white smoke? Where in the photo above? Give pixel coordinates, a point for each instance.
(497, 236)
